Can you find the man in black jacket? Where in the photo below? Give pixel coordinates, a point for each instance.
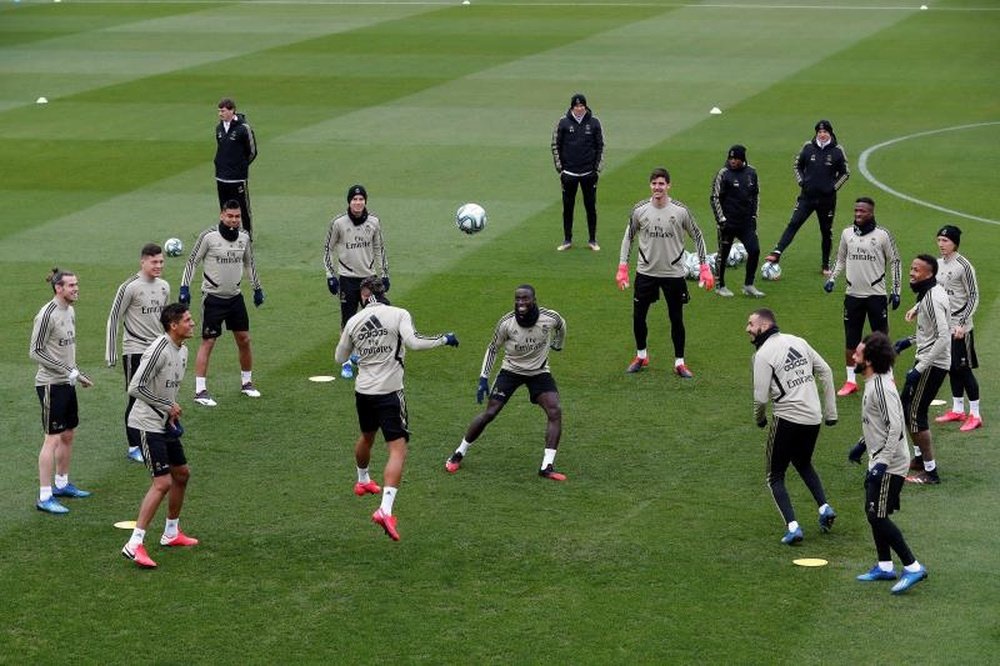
(735, 199)
(578, 154)
(236, 149)
(820, 170)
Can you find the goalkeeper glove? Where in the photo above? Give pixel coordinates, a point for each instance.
(483, 389)
(185, 296)
(621, 277)
(333, 285)
(258, 297)
(705, 278)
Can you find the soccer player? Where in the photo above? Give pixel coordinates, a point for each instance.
(931, 364)
(735, 200)
(354, 250)
(958, 278)
(156, 415)
(888, 459)
(236, 149)
(820, 170)
(53, 347)
(380, 334)
(785, 369)
(578, 155)
(660, 224)
(866, 254)
(525, 335)
(227, 255)
(136, 309)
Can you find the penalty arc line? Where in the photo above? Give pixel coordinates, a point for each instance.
(863, 167)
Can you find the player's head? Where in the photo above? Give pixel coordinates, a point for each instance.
(227, 109)
(923, 267)
(759, 322)
(659, 172)
(64, 284)
(176, 321)
(578, 104)
(151, 260)
(864, 211)
(736, 158)
(525, 306)
(230, 214)
(875, 350)
(373, 291)
(949, 237)
(357, 199)
(824, 131)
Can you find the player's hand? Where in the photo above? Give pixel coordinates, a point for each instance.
(828, 286)
(912, 375)
(450, 340)
(74, 375)
(85, 381)
(258, 297)
(332, 284)
(552, 346)
(484, 388)
(185, 295)
(830, 422)
(857, 451)
(621, 277)
(878, 470)
(911, 314)
(762, 423)
(894, 301)
(173, 428)
(902, 344)
(705, 278)
(385, 284)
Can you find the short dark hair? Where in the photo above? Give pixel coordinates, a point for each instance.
(879, 352)
(866, 200)
(56, 275)
(526, 286)
(150, 250)
(930, 261)
(659, 172)
(172, 314)
(374, 285)
(767, 314)
(231, 204)
(227, 103)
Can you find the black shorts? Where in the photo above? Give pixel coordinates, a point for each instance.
(350, 298)
(507, 382)
(217, 311)
(963, 352)
(60, 411)
(917, 398)
(161, 452)
(647, 289)
(386, 411)
(859, 308)
(882, 494)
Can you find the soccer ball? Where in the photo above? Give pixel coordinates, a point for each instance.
(770, 271)
(470, 218)
(711, 260)
(173, 247)
(691, 265)
(737, 254)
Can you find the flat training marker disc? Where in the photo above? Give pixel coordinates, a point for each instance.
(125, 524)
(321, 378)
(937, 403)
(810, 562)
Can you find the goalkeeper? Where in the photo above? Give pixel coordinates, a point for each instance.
(525, 335)
(660, 224)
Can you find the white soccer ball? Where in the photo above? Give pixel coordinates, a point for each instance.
(770, 271)
(471, 218)
(691, 265)
(173, 247)
(711, 260)
(737, 254)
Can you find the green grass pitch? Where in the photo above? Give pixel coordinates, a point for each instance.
(663, 545)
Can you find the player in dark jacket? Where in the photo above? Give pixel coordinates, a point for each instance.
(735, 199)
(236, 149)
(578, 155)
(820, 170)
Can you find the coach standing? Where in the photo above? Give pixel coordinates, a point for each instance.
(578, 155)
(235, 149)
(735, 199)
(820, 170)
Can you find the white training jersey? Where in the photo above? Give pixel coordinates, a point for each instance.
(785, 369)
(525, 350)
(661, 234)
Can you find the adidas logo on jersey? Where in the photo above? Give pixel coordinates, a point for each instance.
(372, 328)
(794, 360)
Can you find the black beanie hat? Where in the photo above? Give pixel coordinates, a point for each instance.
(824, 125)
(952, 233)
(355, 190)
(577, 98)
(739, 152)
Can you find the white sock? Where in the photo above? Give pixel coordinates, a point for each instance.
(957, 404)
(930, 465)
(136, 539)
(913, 568)
(170, 529)
(549, 458)
(885, 566)
(678, 361)
(850, 375)
(463, 448)
(792, 526)
(363, 475)
(388, 497)
(200, 384)
(974, 408)
(44, 493)
(62, 481)
(823, 508)
(641, 353)
(245, 376)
